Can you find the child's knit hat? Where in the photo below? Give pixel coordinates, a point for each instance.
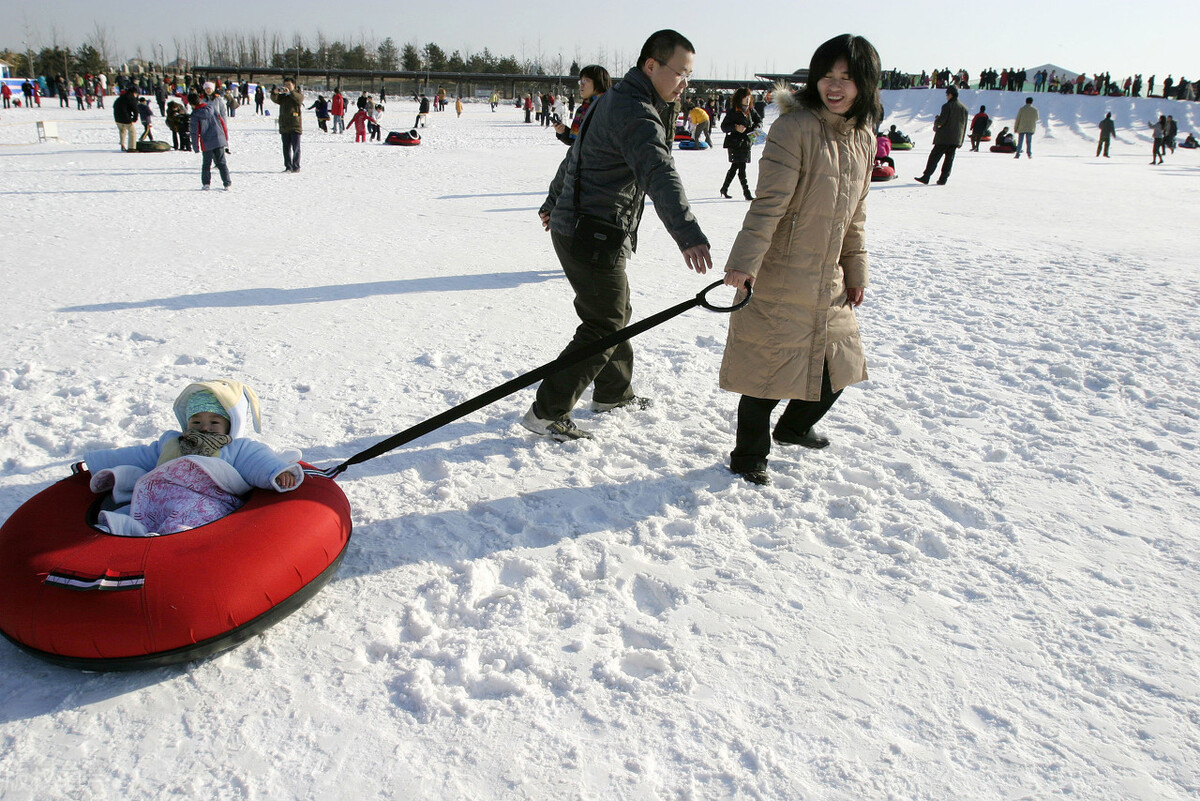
(237, 402)
(204, 401)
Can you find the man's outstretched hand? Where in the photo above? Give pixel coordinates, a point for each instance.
(698, 258)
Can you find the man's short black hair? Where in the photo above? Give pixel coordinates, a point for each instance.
(662, 45)
(952, 91)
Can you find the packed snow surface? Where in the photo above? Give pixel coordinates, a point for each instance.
(985, 588)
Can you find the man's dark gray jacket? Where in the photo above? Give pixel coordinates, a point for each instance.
(626, 155)
(950, 127)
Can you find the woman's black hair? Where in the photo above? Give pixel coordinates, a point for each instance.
(601, 80)
(735, 102)
(862, 59)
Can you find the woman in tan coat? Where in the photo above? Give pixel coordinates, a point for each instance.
(803, 249)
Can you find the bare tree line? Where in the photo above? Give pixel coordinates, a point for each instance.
(275, 50)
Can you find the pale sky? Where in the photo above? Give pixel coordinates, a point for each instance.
(732, 41)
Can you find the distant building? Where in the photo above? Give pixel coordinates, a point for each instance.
(5, 70)
(1051, 69)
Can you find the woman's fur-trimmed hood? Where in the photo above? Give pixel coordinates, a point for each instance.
(785, 98)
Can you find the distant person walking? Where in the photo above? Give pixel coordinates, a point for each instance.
(739, 126)
(1156, 129)
(321, 106)
(981, 125)
(949, 130)
(210, 138)
(147, 117)
(423, 112)
(125, 114)
(291, 122)
(1107, 129)
(1024, 126)
(337, 107)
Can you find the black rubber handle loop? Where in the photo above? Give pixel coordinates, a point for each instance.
(702, 298)
(526, 379)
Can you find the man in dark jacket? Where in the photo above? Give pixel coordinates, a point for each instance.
(592, 212)
(1107, 129)
(125, 113)
(981, 125)
(291, 110)
(949, 130)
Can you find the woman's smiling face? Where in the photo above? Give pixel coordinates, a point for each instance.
(837, 88)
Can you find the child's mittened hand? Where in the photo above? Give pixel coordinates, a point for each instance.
(285, 480)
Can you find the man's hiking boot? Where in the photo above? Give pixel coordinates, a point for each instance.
(635, 403)
(760, 478)
(559, 430)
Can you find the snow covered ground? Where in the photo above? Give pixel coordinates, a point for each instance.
(985, 588)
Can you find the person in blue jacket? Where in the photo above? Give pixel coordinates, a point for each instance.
(209, 138)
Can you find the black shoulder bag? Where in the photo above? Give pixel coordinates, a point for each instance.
(596, 241)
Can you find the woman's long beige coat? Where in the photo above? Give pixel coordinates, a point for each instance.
(803, 241)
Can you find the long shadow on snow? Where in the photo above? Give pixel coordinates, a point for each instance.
(275, 296)
(525, 520)
(31, 688)
(492, 194)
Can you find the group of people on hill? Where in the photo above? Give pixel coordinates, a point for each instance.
(1044, 80)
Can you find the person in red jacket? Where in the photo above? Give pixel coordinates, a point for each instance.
(6, 93)
(337, 107)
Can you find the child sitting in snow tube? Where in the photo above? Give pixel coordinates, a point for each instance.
(1004, 142)
(403, 138)
(884, 169)
(899, 140)
(1190, 143)
(187, 480)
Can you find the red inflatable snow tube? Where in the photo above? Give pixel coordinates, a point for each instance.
(883, 172)
(403, 138)
(77, 596)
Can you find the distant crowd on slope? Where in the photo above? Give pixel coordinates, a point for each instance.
(1014, 80)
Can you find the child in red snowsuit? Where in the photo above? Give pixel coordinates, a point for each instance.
(359, 121)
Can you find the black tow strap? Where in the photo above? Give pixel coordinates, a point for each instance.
(535, 375)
